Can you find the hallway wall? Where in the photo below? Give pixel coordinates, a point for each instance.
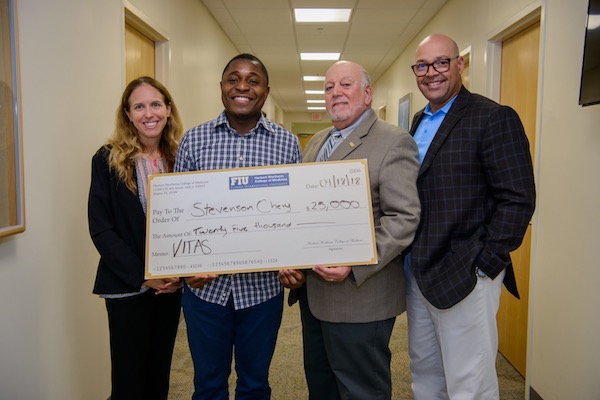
(564, 321)
(53, 331)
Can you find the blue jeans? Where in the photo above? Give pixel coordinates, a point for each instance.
(214, 332)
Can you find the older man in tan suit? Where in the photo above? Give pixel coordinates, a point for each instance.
(348, 313)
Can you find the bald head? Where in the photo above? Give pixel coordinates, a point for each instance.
(354, 67)
(438, 39)
(439, 87)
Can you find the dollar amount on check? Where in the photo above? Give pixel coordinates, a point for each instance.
(259, 219)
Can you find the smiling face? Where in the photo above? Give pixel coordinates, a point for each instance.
(148, 113)
(439, 87)
(244, 89)
(348, 93)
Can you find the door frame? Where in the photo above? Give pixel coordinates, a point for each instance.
(527, 17)
(468, 72)
(517, 23)
(162, 45)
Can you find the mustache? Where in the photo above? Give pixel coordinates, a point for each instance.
(436, 78)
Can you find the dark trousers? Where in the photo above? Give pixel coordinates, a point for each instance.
(142, 336)
(346, 360)
(215, 332)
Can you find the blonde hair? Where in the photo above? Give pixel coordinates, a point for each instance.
(124, 145)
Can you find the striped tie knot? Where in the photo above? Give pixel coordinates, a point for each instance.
(334, 136)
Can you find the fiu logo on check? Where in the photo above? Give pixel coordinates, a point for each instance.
(256, 181)
(235, 181)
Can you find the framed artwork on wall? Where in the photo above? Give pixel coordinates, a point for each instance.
(12, 214)
(404, 114)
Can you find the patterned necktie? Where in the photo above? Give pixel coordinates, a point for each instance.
(334, 136)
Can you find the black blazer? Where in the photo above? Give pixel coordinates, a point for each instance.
(477, 197)
(117, 226)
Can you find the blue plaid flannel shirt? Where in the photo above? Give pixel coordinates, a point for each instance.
(215, 145)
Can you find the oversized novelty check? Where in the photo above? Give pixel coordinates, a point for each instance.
(259, 219)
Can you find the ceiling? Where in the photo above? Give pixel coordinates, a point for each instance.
(378, 31)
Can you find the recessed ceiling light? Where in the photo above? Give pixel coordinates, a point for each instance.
(313, 78)
(320, 56)
(314, 91)
(315, 108)
(322, 14)
(316, 101)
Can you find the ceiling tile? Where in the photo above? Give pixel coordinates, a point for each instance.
(377, 33)
(255, 4)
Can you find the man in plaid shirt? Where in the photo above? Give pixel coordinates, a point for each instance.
(235, 311)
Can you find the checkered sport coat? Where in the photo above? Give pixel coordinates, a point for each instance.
(477, 197)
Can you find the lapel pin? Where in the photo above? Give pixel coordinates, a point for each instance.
(351, 144)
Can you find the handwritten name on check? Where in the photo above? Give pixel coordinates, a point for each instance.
(259, 219)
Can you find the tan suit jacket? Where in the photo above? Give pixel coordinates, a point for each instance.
(373, 292)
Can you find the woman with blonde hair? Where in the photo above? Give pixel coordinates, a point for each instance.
(143, 315)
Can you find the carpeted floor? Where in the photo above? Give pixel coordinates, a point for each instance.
(287, 374)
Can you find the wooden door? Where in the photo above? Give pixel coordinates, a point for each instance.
(518, 89)
(382, 113)
(304, 138)
(466, 75)
(139, 54)
(8, 162)
(8, 172)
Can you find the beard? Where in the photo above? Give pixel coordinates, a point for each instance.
(343, 113)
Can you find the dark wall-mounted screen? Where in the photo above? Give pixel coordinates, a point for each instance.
(589, 92)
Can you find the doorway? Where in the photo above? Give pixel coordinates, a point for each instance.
(519, 90)
(139, 54)
(146, 49)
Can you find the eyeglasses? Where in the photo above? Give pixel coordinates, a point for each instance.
(441, 65)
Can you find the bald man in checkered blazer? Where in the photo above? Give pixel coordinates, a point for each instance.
(477, 196)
